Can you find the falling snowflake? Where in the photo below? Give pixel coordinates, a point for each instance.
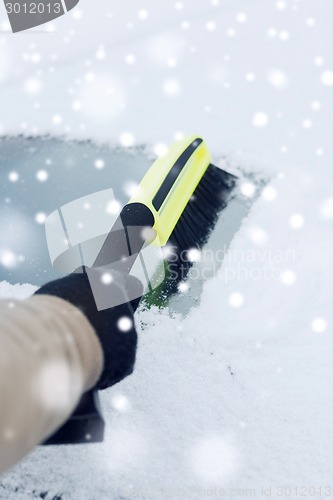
(272, 32)
(241, 17)
(236, 299)
(106, 278)
(57, 119)
(194, 255)
(172, 62)
(130, 58)
(319, 325)
(113, 207)
(250, 77)
(127, 139)
(315, 105)
(257, 235)
(32, 86)
(277, 78)
(90, 76)
(125, 324)
(210, 26)
(169, 252)
(120, 402)
(40, 218)
(284, 36)
(281, 5)
(77, 105)
(99, 163)
(160, 149)
(269, 193)
(35, 58)
(248, 189)
(260, 119)
(42, 175)
(327, 78)
(142, 14)
(296, 221)
(288, 277)
(231, 32)
(131, 188)
(326, 209)
(148, 234)
(172, 87)
(101, 54)
(319, 61)
(179, 136)
(8, 259)
(310, 22)
(183, 287)
(77, 14)
(13, 176)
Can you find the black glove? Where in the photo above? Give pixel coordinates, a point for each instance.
(119, 346)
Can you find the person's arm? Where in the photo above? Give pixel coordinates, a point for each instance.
(54, 347)
(49, 356)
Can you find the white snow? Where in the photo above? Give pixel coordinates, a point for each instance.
(16, 291)
(237, 395)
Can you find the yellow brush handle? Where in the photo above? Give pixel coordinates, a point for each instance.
(170, 183)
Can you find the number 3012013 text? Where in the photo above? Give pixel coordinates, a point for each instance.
(33, 8)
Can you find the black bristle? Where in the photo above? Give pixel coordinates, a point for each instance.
(194, 227)
(202, 211)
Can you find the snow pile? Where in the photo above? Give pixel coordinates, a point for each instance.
(17, 291)
(234, 398)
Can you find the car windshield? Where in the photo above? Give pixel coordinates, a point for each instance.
(38, 176)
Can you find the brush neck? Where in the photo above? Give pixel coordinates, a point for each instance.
(127, 237)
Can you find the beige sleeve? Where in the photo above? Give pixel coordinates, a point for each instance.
(49, 356)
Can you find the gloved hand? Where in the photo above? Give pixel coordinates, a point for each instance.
(118, 344)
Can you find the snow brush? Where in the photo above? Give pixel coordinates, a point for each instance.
(175, 206)
(179, 200)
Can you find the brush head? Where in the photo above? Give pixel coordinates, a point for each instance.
(171, 182)
(201, 213)
(192, 230)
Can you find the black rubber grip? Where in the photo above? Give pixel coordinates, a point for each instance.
(125, 238)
